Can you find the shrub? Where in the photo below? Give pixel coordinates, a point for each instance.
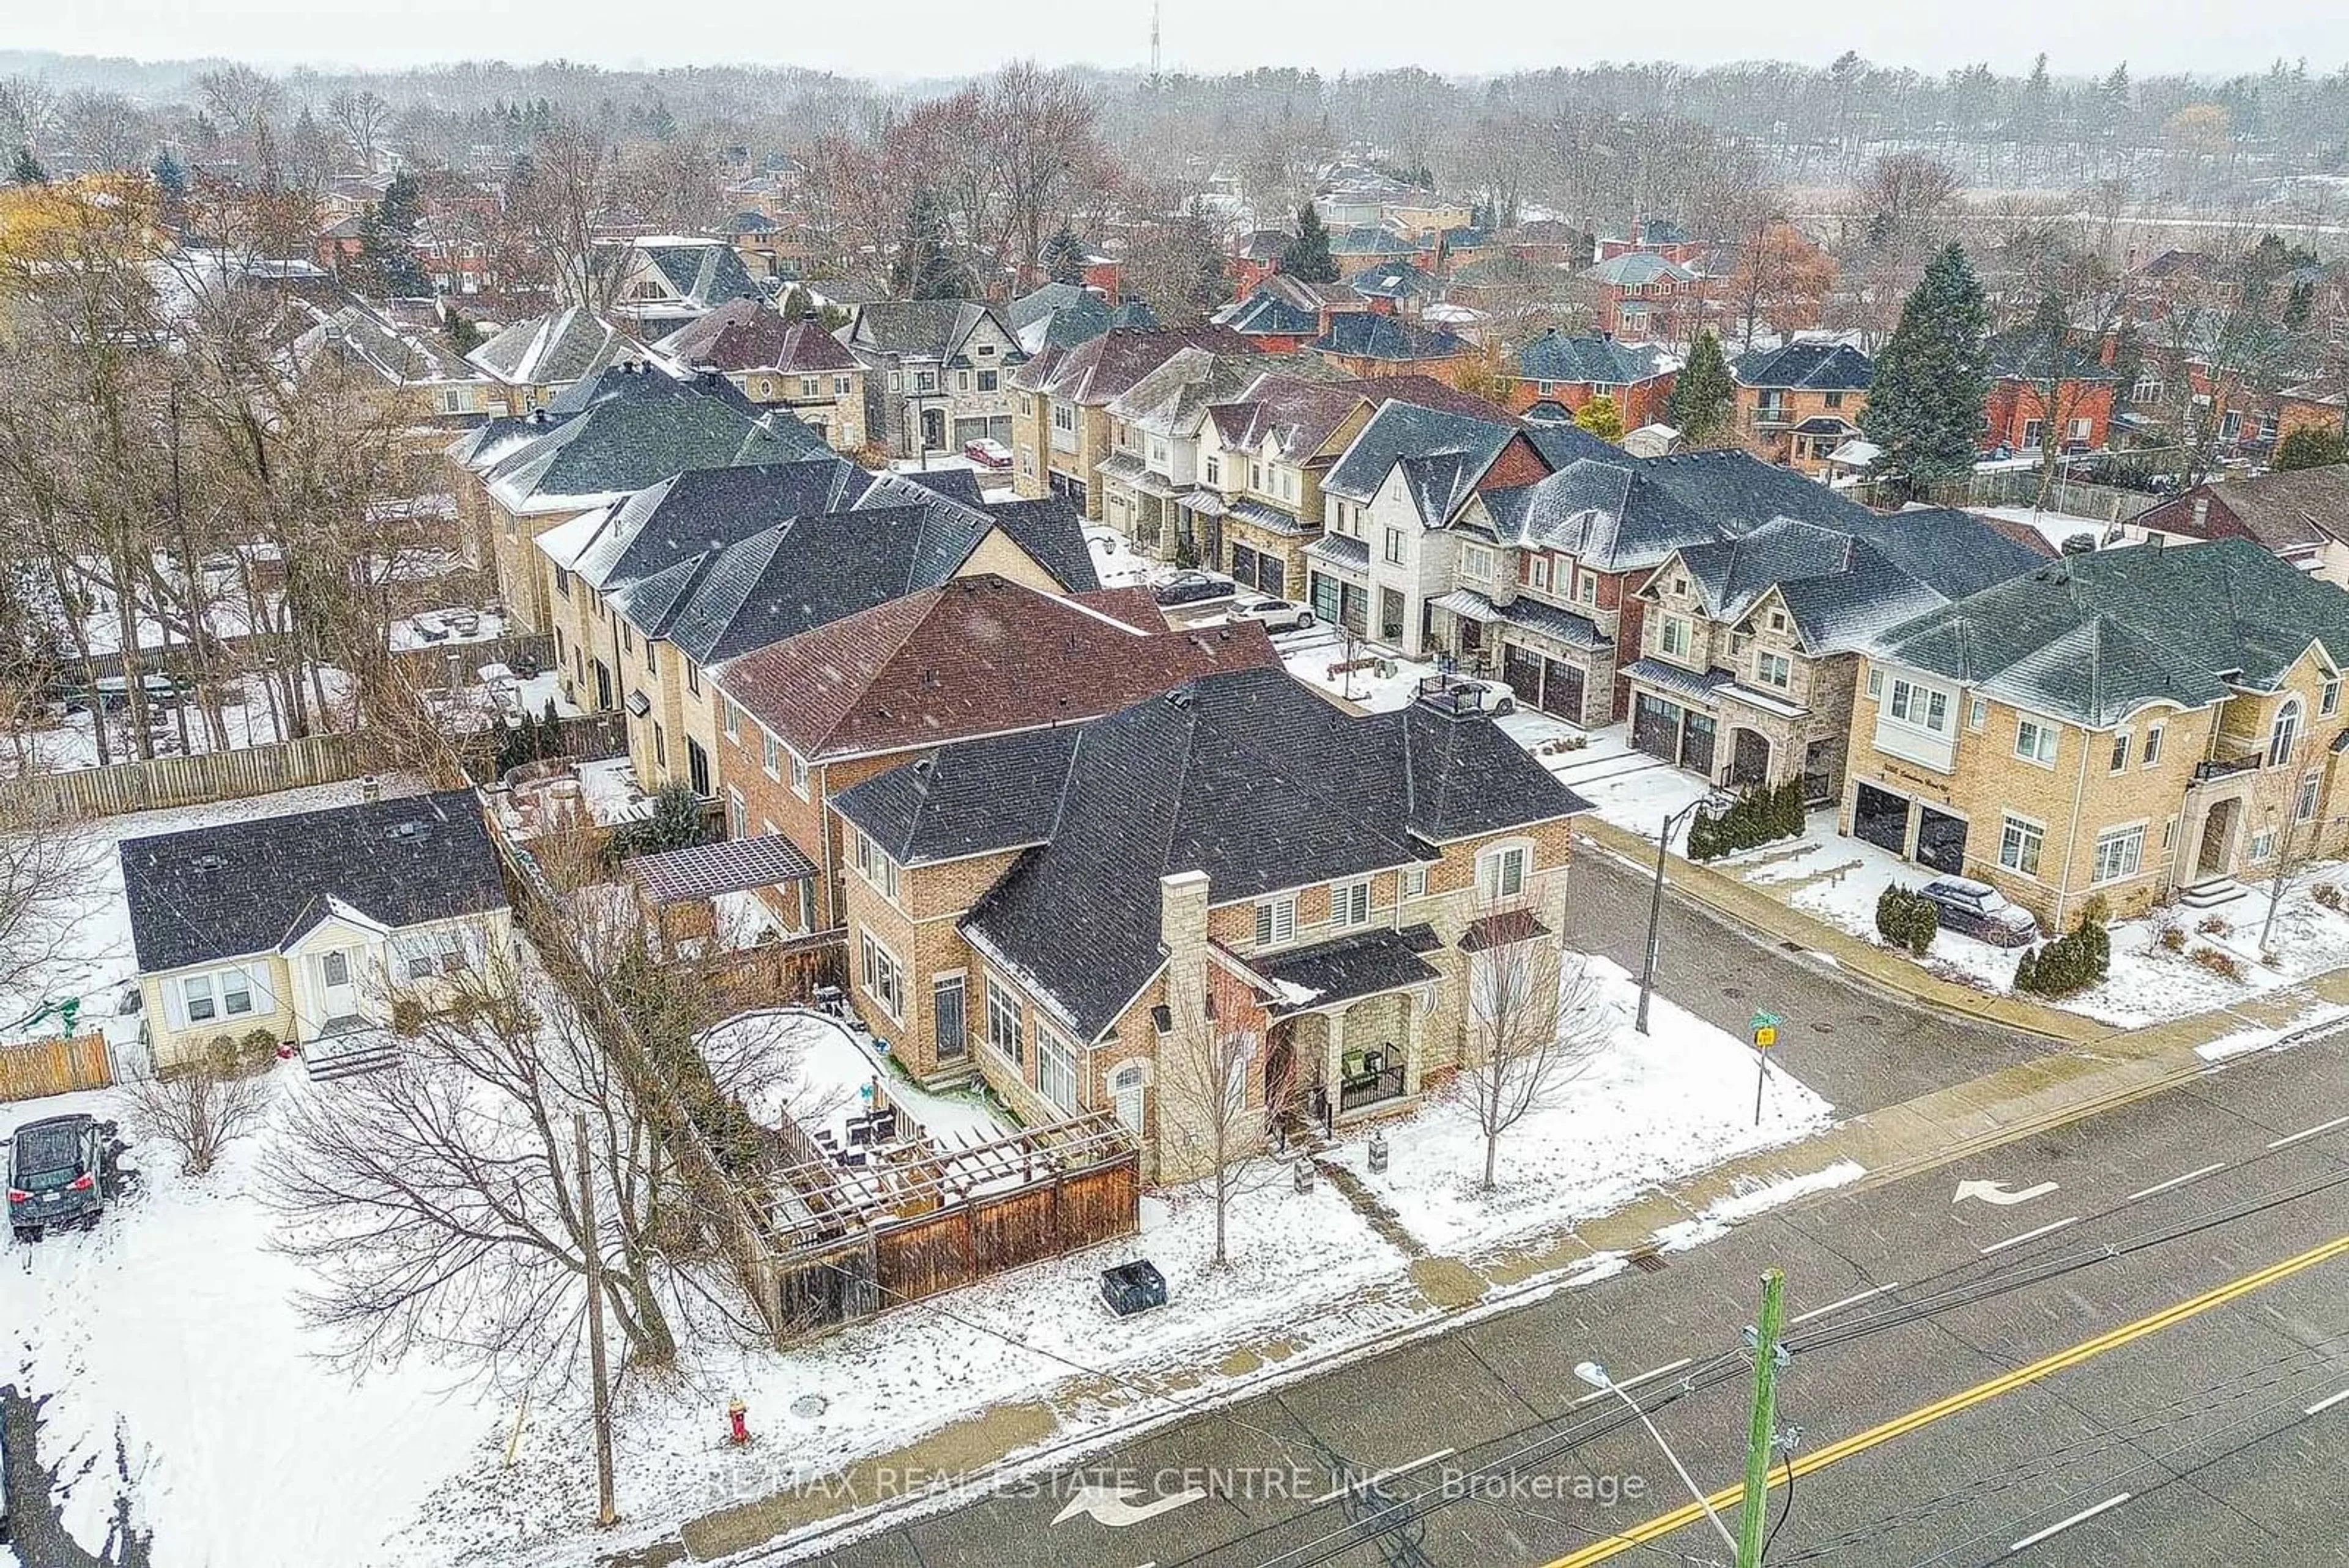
(407, 1015)
(1907, 920)
(2079, 958)
(2327, 894)
(2026, 971)
(1760, 815)
(2213, 926)
(2172, 938)
(2225, 965)
(677, 822)
(257, 1051)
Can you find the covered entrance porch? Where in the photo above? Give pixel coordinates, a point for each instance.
(1348, 1017)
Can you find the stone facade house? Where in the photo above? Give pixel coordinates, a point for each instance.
(2130, 724)
(1130, 920)
(423, 381)
(792, 365)
(938, 373)
(1062, 428)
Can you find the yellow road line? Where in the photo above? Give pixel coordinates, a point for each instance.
(1925, 1415)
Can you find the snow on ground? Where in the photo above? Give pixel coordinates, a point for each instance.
(99, 965)
(1643, 1112)
(1379, 688)
(2056, 528)
(819, 1072)
(1115, 561)
(446, 628)
(171, 1330)
(251, 715)
(609, 789)
(1628, 788)
(1758, 1198)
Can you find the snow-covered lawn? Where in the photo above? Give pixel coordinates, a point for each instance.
(2056, 528)
(251, 715)
(819, 1072)
(1645, 1111)
(171, 1330)
(1115, 561)
(1628, 788)
(448, 628)
(1379, 687)
(1838, 879)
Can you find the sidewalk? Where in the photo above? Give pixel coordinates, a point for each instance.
(1754, 907)
(1884, 1146)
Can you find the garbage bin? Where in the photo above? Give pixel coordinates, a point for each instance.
(1133, 1287)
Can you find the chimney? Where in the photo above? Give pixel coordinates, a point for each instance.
(2201, 511)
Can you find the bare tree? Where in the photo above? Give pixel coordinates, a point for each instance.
(1046, 148)
(27, 104)
(1216, 1114)
(200, 1108)
(1534, 1025)
(362, 116)
(560, 204)
(51, 875)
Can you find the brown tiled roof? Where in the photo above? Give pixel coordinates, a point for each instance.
(1300, 414)
(1430, 393)
(746, 335)
(1102, 368)
(978, 656)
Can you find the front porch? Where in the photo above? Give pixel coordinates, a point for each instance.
(1349, 1019)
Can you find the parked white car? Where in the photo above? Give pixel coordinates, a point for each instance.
(1276, 615)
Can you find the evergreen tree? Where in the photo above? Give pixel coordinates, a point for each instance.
(923, 269)
(26, 169)
(171, 174)
(1064, 258)
(387, 241)
(1704, 402)
(1925, 400)
(2311, 446)
(1602, 418)
(463, 335)
(1308, 257)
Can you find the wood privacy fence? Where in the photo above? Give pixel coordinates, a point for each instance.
(163, 782)
(428, 666)
(41, 1067)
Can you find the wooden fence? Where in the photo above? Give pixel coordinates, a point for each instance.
(427, 667)
(42, 1067)
(785, 974)
(162, 782)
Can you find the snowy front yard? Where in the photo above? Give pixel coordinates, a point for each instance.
(1646, 1110)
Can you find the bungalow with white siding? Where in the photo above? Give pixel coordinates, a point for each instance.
(307, 926)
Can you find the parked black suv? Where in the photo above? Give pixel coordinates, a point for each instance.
(61, 1171)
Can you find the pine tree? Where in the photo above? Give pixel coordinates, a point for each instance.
(1602, 418)
(1307, 259)
(26, 169)
(2311, 446)
(1704, 402)
(387, 241)
(171, 174)
(1064, 258)
(923, 269)
(1925, 400)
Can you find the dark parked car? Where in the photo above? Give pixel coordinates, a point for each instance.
(1979, 909)
(1194, 587)
(62, 1171)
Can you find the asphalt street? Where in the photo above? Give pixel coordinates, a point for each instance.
(1975, 1379)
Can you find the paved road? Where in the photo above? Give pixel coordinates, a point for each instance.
(1493, 1453)
(35, 1493)
(1860, 1047)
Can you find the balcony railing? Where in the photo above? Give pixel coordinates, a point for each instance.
(2227, 768)
(1360, 1090)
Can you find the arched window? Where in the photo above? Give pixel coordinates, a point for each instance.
(1125, 1095)
(2286, 732)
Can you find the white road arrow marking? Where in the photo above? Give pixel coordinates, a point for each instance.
(1107, 1504)
(1996, 1192)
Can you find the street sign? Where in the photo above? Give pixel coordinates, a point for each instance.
(1764, 1037)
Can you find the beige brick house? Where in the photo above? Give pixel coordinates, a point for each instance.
(1094, 904)
(794, 364)
(1061, 428)
(2129, 724)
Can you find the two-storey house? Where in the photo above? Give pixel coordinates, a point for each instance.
(1797, 403)
(531, 361)
(1553, 375)
(667, 280)
(794, 364)
(938, 373)
(1649, 299)
(419, 380)
(1061, 427)
(1121, 915)
(2128, 725)
(2299, 516)
(1283, 314)
(2042, 392)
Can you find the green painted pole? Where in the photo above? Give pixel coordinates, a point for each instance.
(1763, 1430)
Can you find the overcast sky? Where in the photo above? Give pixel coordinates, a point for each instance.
(896, 38)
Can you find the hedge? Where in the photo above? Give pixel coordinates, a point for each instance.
(1761, 816)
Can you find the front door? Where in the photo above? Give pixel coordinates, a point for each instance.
(338, 994)
(1389, 616)
(603, 688)
(1749, 759)
(947, 1011)
(934, 429)
(2217, 825)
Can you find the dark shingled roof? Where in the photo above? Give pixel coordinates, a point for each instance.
(746, 334)
(1351, 967)
(1247, 776)
(209, 894)
(1402, 431)
(1611, 516)
(1555, 356)
(1814, 366)
(1367, 335)
(2093, 638)
(728, 866)
(566, 346)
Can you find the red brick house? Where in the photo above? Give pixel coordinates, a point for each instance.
(2041, 392)
(1554, 374)
(1648, 297)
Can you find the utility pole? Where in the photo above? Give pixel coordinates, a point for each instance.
(1656, 914)
(592, 1248)
(1763, 1430)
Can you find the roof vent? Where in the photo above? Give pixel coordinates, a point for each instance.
(208, 863)
(407, 830)
(1179, 698)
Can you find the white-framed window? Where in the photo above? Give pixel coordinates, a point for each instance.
(799, 774)
(1213, 471)
(1126, 1092)
(2120, 751)
(1537, 571)
(1920, 707)
(1587, 588)
(882, 976)
(2262, 844)
(1056, 1069)
(1501, 872)
(1350, 904)
(1003, 1021)
(1777, 620)
(770, 754)
(2328, 698)
(839, 385)
(1977, 713)
(1673, 637)
(2152, 752)
(1394, 546)
(1064, 418)
(2304, 806)
(2018, 842)
(738, 820)
(2284, 733)
(1276, 920)
(1414, 881)
(1476, 563)
(693, 677)
(2036, 742)
(196, 996)
(873, 864)
(2119, 852)
(810, 387)
(236, 993)
(1774, 670)
(1876, 685)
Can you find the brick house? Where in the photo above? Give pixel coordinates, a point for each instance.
(1797, 403)
(794, 364)
(1108, 916)
(937, 372)
(1374, 342)
(1647, 298)
(2128, 725)
(1255, 256)
(1652, 236)
(534, 360)
(1561, 371)
(603, 440)
(1750, 646)
(815, 714)
(1061, 427)
(2299, 516)
(422, 380)
(1282, 314)
(667, 280)
(2026, 372)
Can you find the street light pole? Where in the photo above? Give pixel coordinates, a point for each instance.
(1656, 914)
(1591, 1371)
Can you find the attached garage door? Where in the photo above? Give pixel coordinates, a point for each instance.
(1696, 746)
(1880, 818)
(1940, 841)
(1656, 727)
(1523, 671)
(1562, 691)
